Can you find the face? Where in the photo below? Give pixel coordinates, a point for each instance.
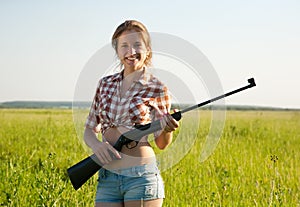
(132, 50)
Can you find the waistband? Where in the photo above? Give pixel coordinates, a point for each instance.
(132, 171)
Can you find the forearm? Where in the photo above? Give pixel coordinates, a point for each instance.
(102, 150)
(169, 124)
(164, 139)
(90, 137)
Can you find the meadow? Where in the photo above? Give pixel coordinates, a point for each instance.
(256, 162)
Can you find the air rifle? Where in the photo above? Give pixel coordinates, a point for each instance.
(82, 171)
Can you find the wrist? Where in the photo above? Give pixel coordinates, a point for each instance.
(167, 130)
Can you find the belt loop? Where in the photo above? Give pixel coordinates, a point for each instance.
(102, 173)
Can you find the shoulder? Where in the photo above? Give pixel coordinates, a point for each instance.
(153, 87)
(109, 79)
(154, 81)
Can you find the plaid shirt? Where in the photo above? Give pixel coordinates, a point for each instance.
(146, 100)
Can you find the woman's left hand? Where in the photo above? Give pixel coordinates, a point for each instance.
(168, 123)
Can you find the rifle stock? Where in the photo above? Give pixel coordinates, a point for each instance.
(82, 171)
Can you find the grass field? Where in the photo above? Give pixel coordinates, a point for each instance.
(256, 163)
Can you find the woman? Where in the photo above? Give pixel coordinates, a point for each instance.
(122, 101)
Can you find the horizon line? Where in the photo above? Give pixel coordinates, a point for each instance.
(69, 104)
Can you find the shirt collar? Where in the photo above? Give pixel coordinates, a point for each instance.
(143, 79)
(118, 76)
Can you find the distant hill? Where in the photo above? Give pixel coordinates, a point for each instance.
(44, 104)
(238, 107)
(69, 105)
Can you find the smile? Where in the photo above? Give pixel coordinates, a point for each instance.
(133, 57)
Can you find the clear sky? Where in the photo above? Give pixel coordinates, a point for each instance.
(44, 45)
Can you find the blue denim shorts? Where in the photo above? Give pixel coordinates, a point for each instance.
(135, 183)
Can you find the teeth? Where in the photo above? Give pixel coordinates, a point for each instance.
(133, 57)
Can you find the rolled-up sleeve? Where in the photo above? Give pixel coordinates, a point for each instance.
(162, 106)
(93, 119)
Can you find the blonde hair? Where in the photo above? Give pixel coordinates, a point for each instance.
(138, 27)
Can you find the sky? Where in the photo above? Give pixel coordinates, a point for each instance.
(44, 45)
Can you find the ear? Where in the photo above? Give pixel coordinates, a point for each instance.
(148, 51)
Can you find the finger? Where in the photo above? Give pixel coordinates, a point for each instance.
(102, 160)
(106, 157)
(167, 119)
(110, 153)
(175, 123)
(168, 129)
(114, 153)
(172, 123)
(163, 122)
(104, 154)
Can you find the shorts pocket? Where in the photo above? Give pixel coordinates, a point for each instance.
(101, 174)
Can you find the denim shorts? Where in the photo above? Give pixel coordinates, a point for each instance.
(135, 183)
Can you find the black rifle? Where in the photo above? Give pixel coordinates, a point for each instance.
(82, 171)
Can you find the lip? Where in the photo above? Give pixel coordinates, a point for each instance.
(133, 57)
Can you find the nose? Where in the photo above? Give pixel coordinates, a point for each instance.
(131, 51)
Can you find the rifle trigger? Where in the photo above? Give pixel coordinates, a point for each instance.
(132, 144)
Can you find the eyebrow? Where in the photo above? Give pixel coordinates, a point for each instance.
(123, 43)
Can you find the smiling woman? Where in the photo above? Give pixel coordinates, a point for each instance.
(122, 101)
(132, 44)
(131, 50)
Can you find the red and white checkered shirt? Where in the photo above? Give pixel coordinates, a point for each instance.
(146, 100)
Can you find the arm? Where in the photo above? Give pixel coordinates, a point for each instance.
(101, 149)
(165, 138)
(168, 123)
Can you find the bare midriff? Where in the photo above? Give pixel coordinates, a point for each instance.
(139, 155)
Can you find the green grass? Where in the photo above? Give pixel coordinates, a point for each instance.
(256, 162)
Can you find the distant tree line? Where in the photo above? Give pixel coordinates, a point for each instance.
(82, 104)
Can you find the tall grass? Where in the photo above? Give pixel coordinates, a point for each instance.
(37, 146)
(256, 162)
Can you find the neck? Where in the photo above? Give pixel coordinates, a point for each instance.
(132, 72)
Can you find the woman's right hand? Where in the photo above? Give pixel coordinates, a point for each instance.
(105, 152)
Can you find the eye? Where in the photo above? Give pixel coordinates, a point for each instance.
(124, 45)
(137, 44)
